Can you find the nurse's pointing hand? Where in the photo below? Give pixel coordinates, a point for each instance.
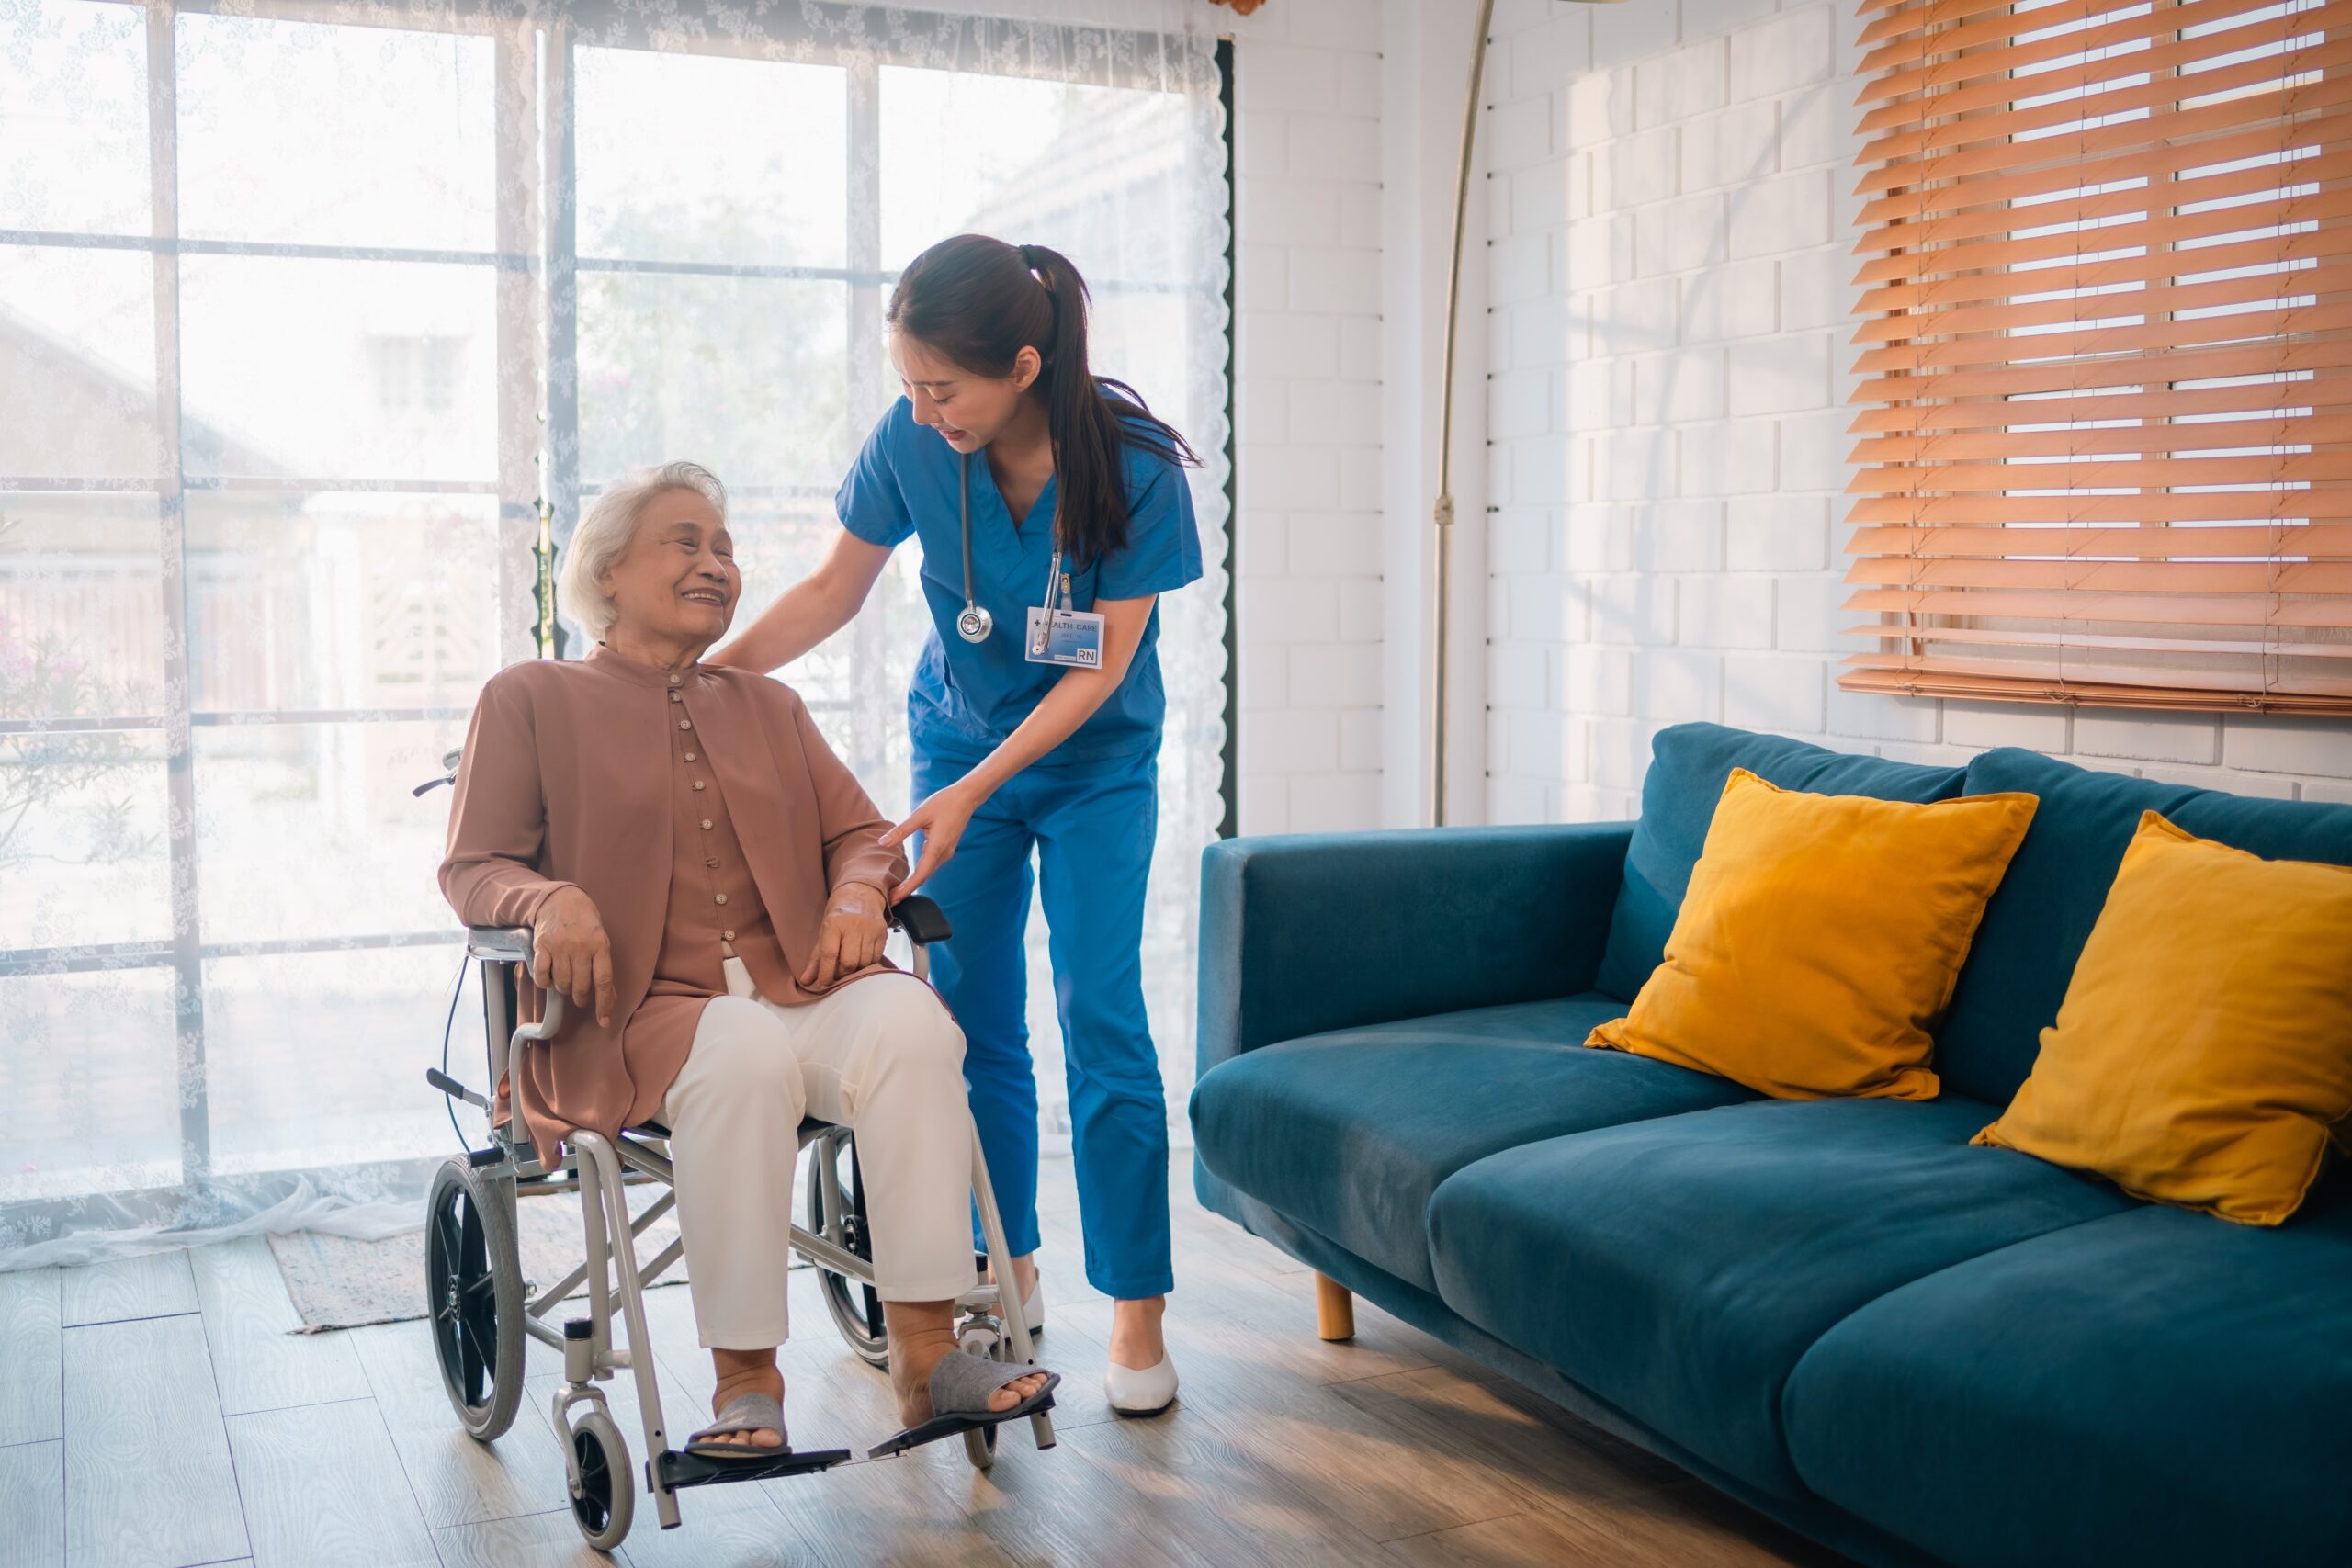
(941, 820)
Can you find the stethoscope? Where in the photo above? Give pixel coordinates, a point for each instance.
(975, 624)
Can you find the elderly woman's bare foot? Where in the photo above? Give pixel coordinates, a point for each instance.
(915, 1352)
(742, 1372)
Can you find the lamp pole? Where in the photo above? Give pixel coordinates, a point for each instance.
(1441, 514)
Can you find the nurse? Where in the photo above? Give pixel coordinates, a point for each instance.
(1052, 513)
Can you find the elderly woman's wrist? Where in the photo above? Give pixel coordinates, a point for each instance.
(552, 900)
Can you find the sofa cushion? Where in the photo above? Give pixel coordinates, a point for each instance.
(2036, 925)
(1679, 1269)
(1349, 1133)
(1689, 765)
(2155, 1388)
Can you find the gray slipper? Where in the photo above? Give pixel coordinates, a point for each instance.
(961, 1383)
(744, 1413)
(960, 1386)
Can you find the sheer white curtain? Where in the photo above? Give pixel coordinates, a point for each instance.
(316, 320)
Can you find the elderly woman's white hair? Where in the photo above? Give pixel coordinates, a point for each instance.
(606, 528)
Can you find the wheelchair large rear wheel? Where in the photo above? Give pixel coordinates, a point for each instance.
(473, 1293)
(857, 1309)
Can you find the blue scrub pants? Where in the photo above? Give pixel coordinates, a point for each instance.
(1090, 826)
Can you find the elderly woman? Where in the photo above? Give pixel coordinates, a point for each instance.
(704, 878)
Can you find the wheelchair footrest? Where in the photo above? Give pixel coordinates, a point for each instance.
(940, 1427)
(680, 1470)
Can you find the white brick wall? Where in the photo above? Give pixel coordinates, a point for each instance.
(1667, 426)
(1306, 389)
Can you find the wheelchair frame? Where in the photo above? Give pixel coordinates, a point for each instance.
(596, 1462)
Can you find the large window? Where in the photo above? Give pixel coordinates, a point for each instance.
(311, 326)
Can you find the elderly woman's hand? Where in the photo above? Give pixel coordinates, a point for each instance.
(851, 937)
(570, 953)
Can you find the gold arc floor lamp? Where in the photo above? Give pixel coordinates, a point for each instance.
(1441, 514)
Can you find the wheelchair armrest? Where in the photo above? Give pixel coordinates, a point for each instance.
(512, 944)
(499, 944)
(924, 922)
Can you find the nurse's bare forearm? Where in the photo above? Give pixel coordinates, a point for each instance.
(812, 609)
(805, 614)
(1054, 720)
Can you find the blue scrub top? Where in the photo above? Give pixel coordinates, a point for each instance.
(966, 697)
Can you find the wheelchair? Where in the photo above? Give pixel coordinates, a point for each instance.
(481, 1306)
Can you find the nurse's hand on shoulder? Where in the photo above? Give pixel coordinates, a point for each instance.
(851, 937)
(570, 953)
(941, 820)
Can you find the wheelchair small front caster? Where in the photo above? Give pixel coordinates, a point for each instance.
(979, 1446)
(981, 1336)
(603, 1499)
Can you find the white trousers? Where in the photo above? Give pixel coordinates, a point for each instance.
(882, 1056)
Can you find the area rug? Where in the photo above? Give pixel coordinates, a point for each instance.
(341, 1282)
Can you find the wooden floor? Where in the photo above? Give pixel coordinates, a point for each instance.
(155, 1412)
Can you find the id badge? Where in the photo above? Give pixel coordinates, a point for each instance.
(1068, 638)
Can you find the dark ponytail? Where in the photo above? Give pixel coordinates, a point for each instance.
(979, 302)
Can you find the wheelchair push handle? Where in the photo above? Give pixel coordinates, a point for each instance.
(448, 775)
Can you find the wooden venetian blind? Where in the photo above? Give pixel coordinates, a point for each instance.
(2106, 368)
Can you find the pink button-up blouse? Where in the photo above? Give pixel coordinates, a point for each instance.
(703, 813)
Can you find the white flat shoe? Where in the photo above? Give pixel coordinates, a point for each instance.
(1033, 1308)
(1145, 1393)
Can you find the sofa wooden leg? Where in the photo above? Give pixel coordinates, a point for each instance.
(1335, 1309)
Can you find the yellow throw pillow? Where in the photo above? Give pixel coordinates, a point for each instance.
(2203, 1053)
(1821, 935)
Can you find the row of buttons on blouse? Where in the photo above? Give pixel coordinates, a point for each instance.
(709, 861)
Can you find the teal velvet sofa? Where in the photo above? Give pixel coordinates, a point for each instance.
(1914, 1350)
